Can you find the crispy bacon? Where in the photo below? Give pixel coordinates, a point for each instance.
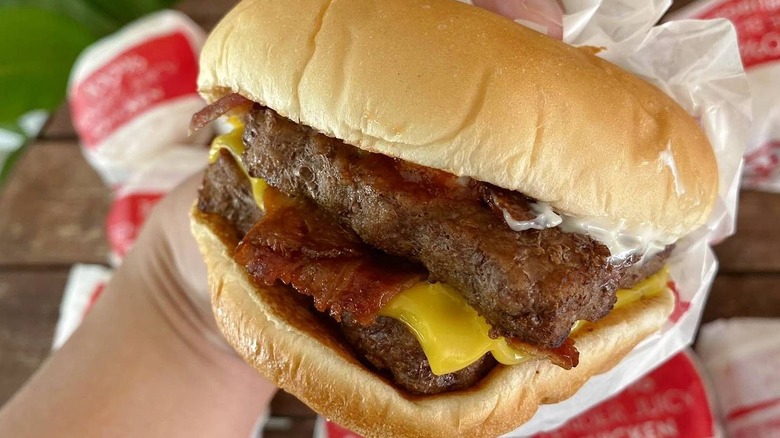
(500, 200)
(303, 246)
(566, 356)
(219, 108)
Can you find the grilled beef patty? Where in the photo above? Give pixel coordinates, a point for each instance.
(226, 191)
(530, 285)
(386, 344)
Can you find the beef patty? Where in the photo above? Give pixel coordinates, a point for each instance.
(530, 285)
(386, 344)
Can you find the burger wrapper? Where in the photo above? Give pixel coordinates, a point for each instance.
(698, 64)
(132, 94)
(741, 355)
(85, 284)
(674, 400)
(136, 197)
(758, 29)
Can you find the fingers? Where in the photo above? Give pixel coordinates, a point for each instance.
(189, 261)
(170, 221)
(545, 16)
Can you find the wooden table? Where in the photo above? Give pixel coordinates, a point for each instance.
(52, 211)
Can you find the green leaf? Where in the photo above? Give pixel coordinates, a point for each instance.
(37, 50)
(82, 11)
(128, 10)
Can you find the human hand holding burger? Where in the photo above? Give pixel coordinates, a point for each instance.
(148, 359)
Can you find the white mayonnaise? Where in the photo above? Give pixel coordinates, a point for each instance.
(621, 239)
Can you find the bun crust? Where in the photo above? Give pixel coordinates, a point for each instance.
(292, 347)
(457, 88)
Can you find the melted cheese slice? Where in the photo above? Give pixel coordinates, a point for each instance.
(452, 334)
(450, 331)
(234, 143)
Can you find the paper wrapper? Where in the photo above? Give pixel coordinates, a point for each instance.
(698, 64)
(135, 199)
(742, 355)
(132, 94)
(675, 400)
(758, 27)
(85, 285)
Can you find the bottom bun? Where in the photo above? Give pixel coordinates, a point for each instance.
(295, 349)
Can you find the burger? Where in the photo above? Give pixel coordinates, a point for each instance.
(428, 220)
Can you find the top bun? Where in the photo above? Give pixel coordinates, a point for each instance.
(457, 88)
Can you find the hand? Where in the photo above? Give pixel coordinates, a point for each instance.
(148, 359)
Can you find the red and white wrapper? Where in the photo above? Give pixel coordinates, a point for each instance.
(84, 286)
(673, 401)
(742, 355)
(133, 93)
(135, 199)
(758, 26)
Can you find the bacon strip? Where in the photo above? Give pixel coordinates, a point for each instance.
(500, 200)
(219, 108)
(305, 247)
(566, 356)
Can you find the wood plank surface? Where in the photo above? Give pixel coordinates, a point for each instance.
(756, 245)
(289, 427)
(29, 308)
(205, 12)
(744, 295)
(59, 126)
(53, 209)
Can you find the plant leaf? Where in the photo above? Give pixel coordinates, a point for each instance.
(82, 11)
(37, 50)
(128, 10)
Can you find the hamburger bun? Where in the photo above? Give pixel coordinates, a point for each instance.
(457, 88)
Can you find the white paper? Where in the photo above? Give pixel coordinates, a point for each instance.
(84, 283)
(741, 355)
(698, 64)
(138, 140)
(758, 25)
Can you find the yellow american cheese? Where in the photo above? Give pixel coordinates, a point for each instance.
(453, 335)
(450, 331)
(232, 142)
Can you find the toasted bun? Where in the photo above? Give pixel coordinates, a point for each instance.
(454, 87)
(292, 347)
